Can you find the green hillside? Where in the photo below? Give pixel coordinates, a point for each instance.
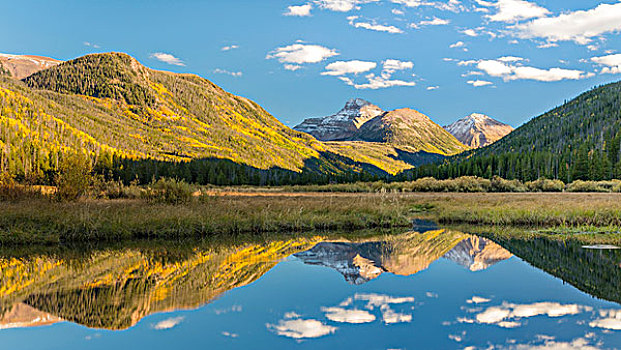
(135, 121)
(580, 140)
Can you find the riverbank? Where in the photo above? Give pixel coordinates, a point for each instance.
(44, 221)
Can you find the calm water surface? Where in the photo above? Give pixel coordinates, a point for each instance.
(436, 289)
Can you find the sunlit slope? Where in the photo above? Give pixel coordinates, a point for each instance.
(123, 105)
(115, 289)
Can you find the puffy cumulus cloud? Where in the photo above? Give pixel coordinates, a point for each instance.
(299, 10)
(301, 329)
(229, 48)
(373, 26)
(348, 67)
(338, 314)
(477, 300)
(374, 82)
(609, 319)
(470, 32)
(342, 5)
(299, 53)
(479, 83)
(514, 10)
(168, 323)
(578, 26)
(224, 71)
(431, 88)
(612, 63)
(457, 45)
(509, 68)
(506, 314)
(167, 58)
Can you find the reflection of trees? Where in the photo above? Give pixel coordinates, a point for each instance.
(115, 288)
(596, 272)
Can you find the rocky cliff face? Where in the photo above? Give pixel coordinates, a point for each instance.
(478, 130)
(21, 66)
(342, 125)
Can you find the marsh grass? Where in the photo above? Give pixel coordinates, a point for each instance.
(45, 221)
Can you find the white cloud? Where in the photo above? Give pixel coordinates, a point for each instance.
(510, 59)
(342, 5)
(612, 63)
(610, 319)
(375, 300)
(551, 344)
(377, 82)
(384, 80)
(373, 26)
(301, 329)
(167, 58)
(430, 88)
(514, 10)
(479, 83)
(338, 314)
(391, 66)
(505, 314)
(301, 53)
(477, 300)
(292, 67)
(389, 316)
(348, 67)
(432, 22)
(508, 72)
(229, 334)
(229, 48)
(86, 43)
(224, 71)
(300, 10)
(397, 12)
(470, 32)
(168, 323)
(457, 44)
(578, 26)
(451, 5)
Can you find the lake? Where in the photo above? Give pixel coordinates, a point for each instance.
(431, 288)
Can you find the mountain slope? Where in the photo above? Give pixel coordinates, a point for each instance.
(580, 140)
(478, 130)
(21, 66)
(111, 108)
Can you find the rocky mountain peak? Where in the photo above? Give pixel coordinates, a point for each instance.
(478, 130)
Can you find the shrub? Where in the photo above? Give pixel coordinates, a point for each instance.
(170, 191)
(74, 178)
(545, 185)
(498, 184)
(10, 190)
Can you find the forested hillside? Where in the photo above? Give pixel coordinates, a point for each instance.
(132, 121)
(579, 140)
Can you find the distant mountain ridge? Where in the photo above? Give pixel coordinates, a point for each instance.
(361, 120)
(478, 130)
(22, 66)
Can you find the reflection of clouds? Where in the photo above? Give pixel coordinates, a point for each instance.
(230, 335)
(390, 316)
(291, 314)
(609, 319)
(503, 315)
(551, 344)
(377, 300)
(477, 300)
(234, 308)
(338, 314)
(431, 295)
(300, 329)
(168, 323)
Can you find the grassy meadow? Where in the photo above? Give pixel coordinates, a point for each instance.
(41, 219)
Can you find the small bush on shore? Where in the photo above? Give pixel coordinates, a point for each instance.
(545, 185)
(171, 191)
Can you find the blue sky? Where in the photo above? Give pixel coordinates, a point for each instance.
(510, 59)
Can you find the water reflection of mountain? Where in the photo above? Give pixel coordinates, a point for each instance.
(596, 272)
(404, 254)
(114, 289)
